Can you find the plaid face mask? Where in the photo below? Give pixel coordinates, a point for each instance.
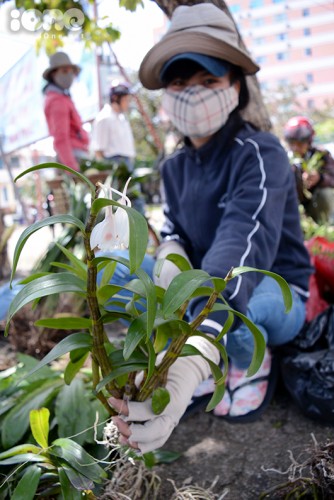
(198, 111)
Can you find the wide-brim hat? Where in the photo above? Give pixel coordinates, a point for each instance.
(201, 28)
(58, 60)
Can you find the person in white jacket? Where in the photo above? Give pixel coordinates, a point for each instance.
(112, 137)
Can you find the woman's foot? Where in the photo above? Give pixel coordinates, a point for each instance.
(245, 394)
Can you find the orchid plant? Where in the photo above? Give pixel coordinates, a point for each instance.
(155, 317)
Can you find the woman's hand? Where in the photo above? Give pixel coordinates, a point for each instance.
(139, 427)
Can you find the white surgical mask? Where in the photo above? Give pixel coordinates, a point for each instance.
(63, 80)
(198, 111)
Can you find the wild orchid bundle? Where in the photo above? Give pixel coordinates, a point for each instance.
(155, 317)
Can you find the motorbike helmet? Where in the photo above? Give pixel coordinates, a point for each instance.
(298, 128)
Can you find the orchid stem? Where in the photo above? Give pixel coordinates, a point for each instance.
(98, 334)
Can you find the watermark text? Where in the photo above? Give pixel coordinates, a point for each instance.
(35, 21)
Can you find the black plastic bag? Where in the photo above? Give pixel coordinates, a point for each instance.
(307, 367)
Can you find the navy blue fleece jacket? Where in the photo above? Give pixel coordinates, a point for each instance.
(233, 202)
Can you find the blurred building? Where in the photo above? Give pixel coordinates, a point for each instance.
(292, 41)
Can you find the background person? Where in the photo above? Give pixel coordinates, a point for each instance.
(230, 200)
(112, 134)
(113, 140)
(70, 140)
(313, 168)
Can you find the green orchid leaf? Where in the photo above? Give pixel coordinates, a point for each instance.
(16, 422)
(161, 338)
(165, 456)
(78, 354)
(137, 287)
(59, 166)
(108, 273)
(32, 277)
(151, 299)
(259, 342)
(103, 260)
(62, 265)
(20, 450)
(285, 289)
(168, 329)
(202, 291)
(78, 481)
(118, 372)
(151, 358)
(216, 397)
(28, 484)
(227, 326)
(181, 289)
(181, 262)
(39, 424)
(78, 458)
(117, 359)
(160, 399)
(105, 293)
(72, 410)
(68, 344)
(136, 334)
(65, 323)
(42, 287)
(219, 284)
(73, 368)
(54, 219)
(149, 459)
(111, 316)
(24, 458)
(68, 489)
(151, 361)
(25, 364)
(79, 267)
(138, 231)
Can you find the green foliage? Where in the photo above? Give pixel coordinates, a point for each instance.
(325, 130)
(312, 229)
(60, 466)
(55, 410)
(30, 385)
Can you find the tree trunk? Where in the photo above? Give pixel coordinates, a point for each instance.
(256, 111)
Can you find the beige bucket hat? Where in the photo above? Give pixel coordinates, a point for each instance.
(58, 60)
(202, 28)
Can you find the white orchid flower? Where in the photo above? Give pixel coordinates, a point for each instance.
(113, 231)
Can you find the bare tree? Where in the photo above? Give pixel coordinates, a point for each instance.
(256, 111)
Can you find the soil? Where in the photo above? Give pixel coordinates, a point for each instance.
(241, 457)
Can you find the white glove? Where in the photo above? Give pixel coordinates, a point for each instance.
(149, 431)
(169, 270)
